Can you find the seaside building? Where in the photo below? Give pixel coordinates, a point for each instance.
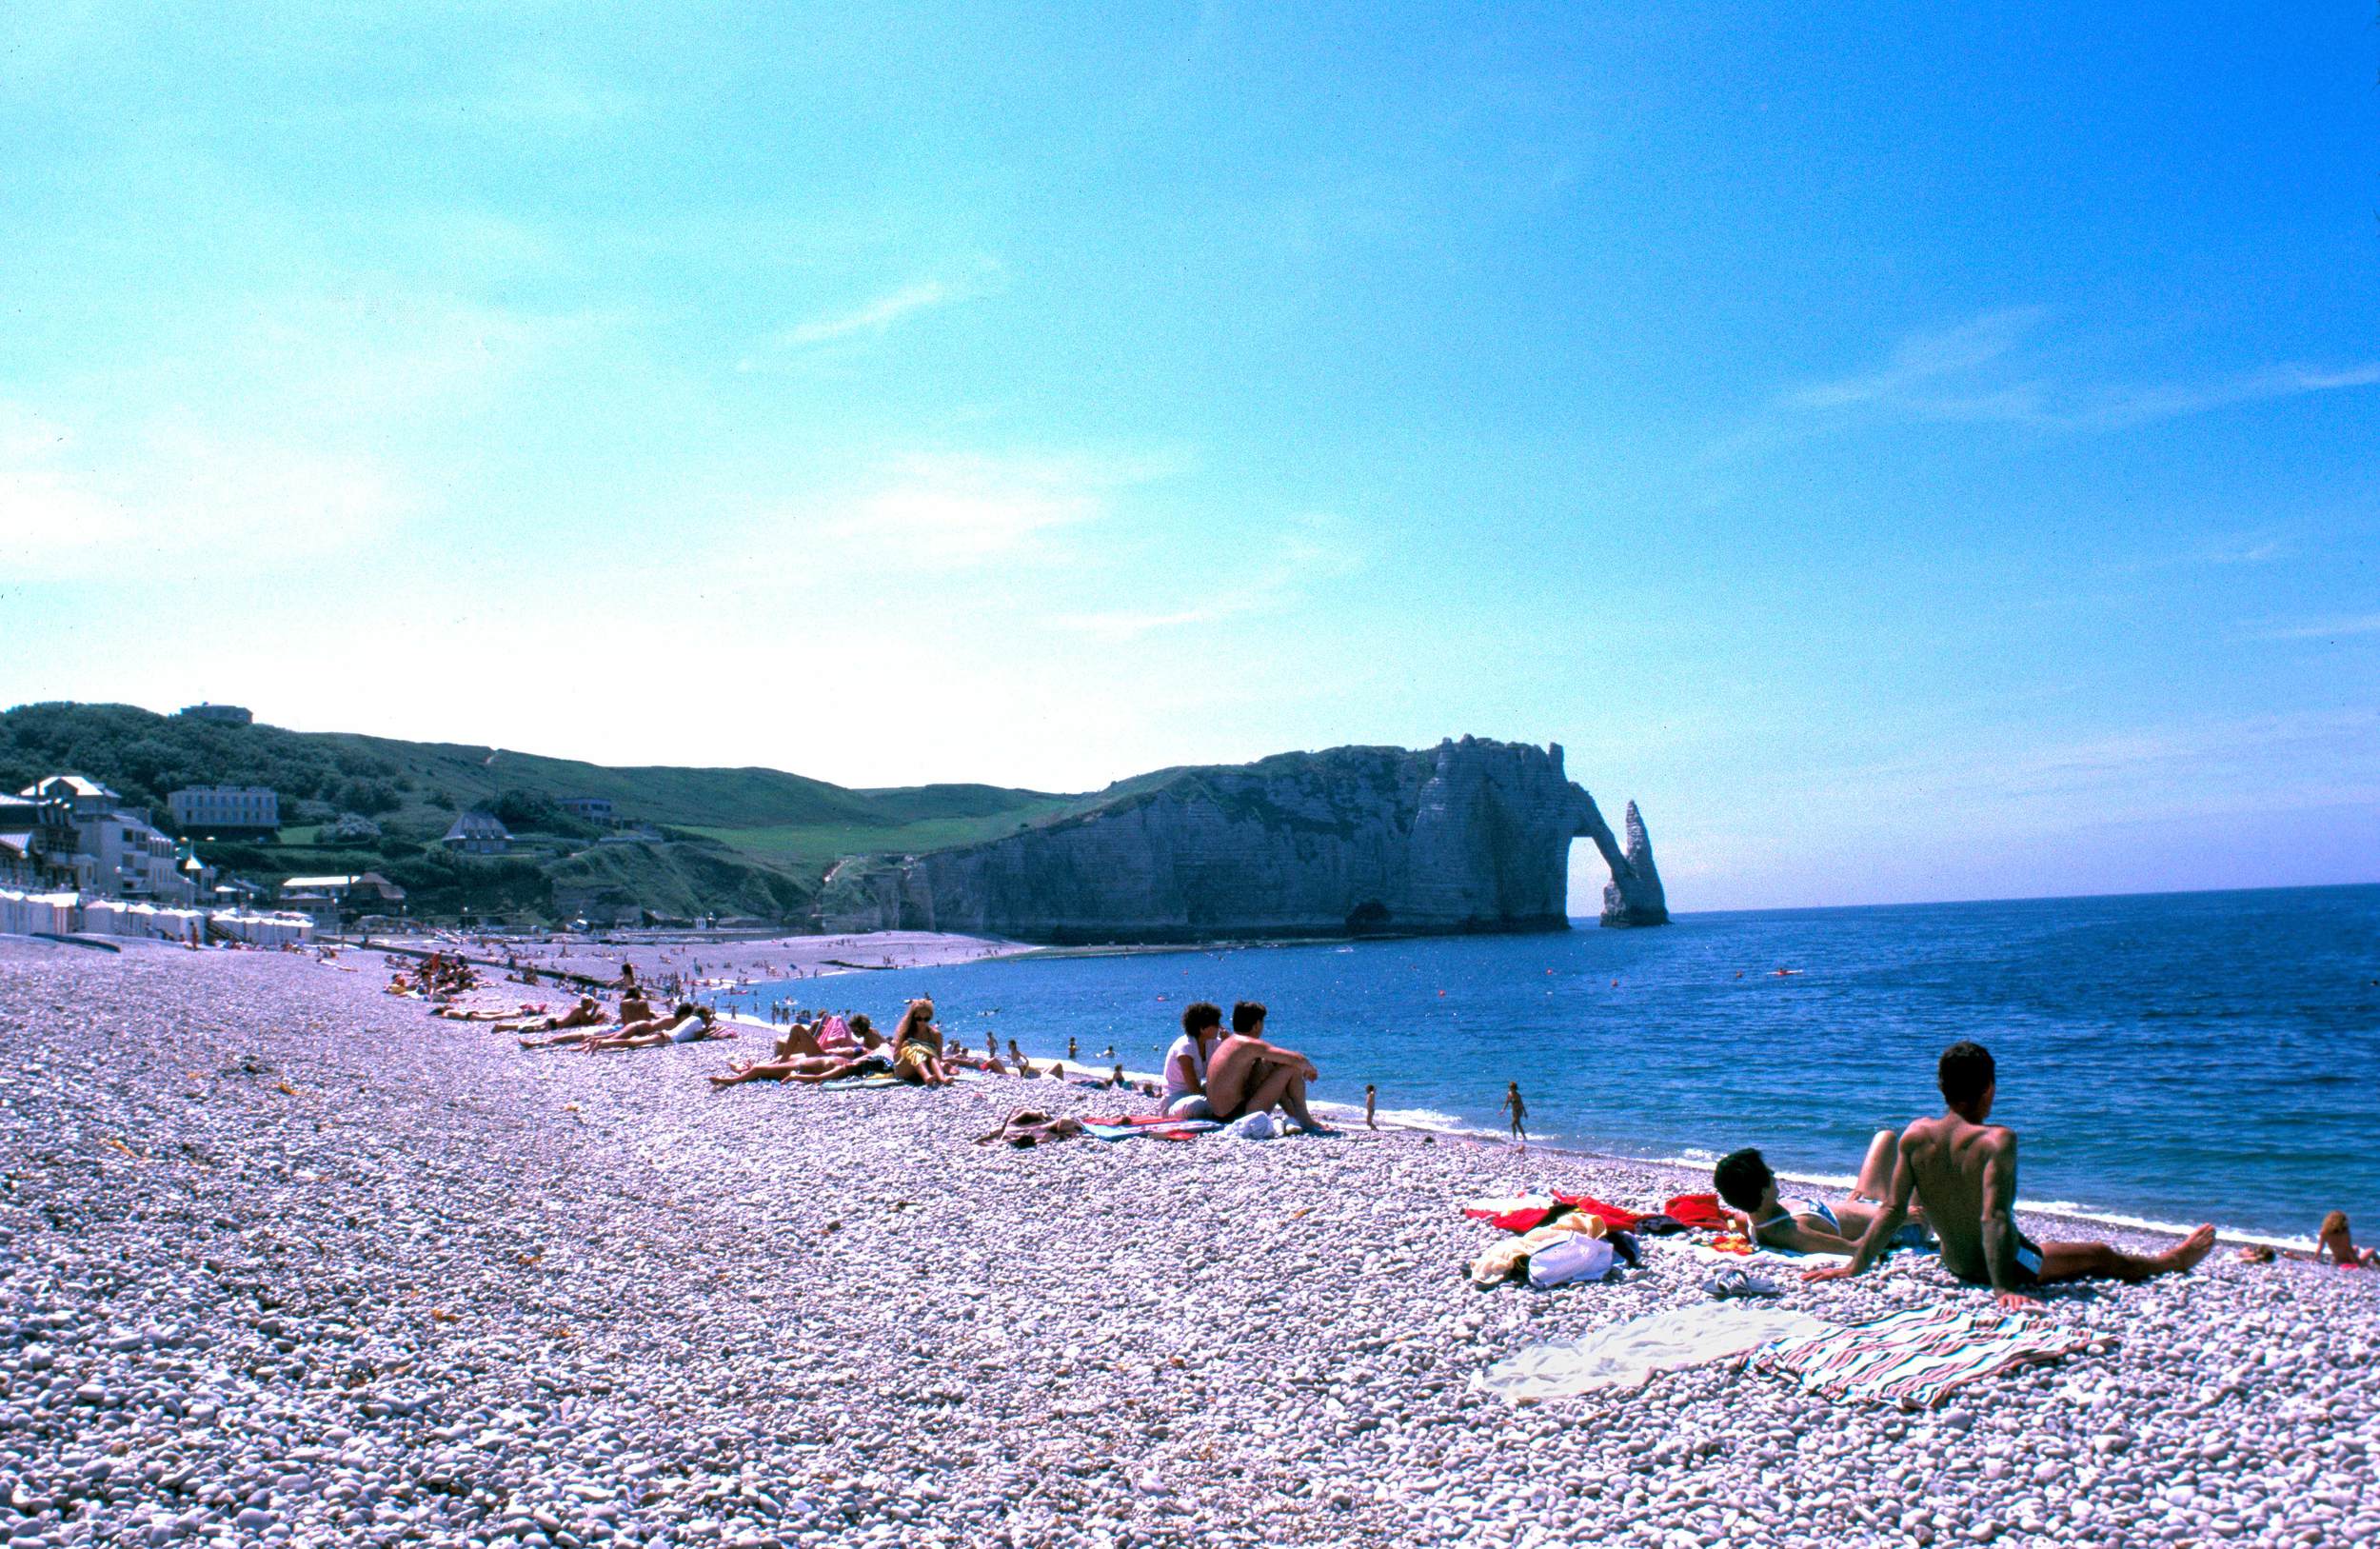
(478, 833)
(118, 852)
(196, 875)
(86, 798)
(593, 808)
(229, 715)
(217, 810)
(328, 898)
(36, 845)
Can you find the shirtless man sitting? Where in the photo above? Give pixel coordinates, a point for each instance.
(1805, 1223)
(1247, 1074)
(1964, 1170)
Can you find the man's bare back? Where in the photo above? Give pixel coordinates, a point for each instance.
(1963, 1168)
(1949, 1158)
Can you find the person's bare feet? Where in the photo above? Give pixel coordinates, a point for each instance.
(2186, 1254)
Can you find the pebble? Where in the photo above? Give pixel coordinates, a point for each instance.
(449, 1293)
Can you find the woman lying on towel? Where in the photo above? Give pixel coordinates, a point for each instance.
(486, 1013)
(587, 1013)
(1811, 1224)
(808, 1068)
(687, 1024)
(684, 1024)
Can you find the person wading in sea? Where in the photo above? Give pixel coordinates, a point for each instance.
(1519, 1111)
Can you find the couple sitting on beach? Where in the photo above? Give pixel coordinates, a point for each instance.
(1209, 1075)
(1963, 1171)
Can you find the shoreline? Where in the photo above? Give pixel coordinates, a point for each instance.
(1692, 1173)
(346, 1273)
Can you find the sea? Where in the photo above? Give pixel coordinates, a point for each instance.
(2166, 1059)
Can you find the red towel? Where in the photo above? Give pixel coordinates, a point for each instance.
(1700, 1211)
(1611, 1215)
(1529, 1218)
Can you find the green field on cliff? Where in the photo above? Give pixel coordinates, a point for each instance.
(744, 840)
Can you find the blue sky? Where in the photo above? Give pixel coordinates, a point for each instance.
(1914, 456)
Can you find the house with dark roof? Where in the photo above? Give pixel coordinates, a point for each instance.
(478, 833)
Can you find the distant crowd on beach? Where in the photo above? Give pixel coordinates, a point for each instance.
(1947, 1183)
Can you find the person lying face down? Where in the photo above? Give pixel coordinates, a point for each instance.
(1963, 1168)
(1248, 1075)
(1805, 1223)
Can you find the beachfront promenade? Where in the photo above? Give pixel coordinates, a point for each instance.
(284, 1258)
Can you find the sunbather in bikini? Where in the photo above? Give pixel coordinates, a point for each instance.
(587, 1013)
(918, 1048)
(798, 1040)
(810, 1068)
(2339, 1245)
(1806, 1223)
(688, 1024)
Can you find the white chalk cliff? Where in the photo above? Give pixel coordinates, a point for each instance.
(1468, 836)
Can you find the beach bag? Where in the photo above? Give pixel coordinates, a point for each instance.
(1253, 1126)
(1577, 1256)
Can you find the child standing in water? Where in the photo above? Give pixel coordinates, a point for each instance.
(1519, 1112)
(1370, 1095)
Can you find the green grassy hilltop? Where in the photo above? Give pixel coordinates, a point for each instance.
(745, 841)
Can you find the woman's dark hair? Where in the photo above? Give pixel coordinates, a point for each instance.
(1200, 1015)
(1246, 1016)
(1741, 1177)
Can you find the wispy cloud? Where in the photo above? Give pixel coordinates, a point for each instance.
(1919, 364)
(874, 317)
(950, 510)
(2220, 553)
(2333, 628)
(1979, 372)
(878, 315)
(1308, 553)
(2114, 407)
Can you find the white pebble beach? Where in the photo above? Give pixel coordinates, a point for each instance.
(287, 1261)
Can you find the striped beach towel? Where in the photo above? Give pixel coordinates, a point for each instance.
(1915, 1358)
